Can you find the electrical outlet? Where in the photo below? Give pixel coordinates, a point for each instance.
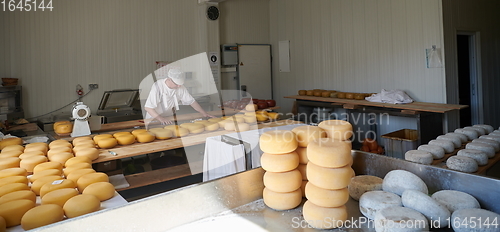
(93, 86)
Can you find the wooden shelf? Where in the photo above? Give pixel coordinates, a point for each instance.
(156, 176)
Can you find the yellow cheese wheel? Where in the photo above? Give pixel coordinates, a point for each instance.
(92, 153)
(43, 149)
(238, 119)
(273, 115)
(118, 134)
(278, 141)
(55, 185)
(250, 119)
(13, 172)
(10, 141)
(181, 132)
(306, 134)
(211, 126)
(194, 128)
(329, 178)
(42, 215)
(59, 196)
(322, 217)
(14, 147)
(36, 186)
(171, 127)
(13, 153)
(31, 153)
(283, 181)
(162, 133)
(13, 211)
(48, 172)
(279, 163)
(81, 139)
(102, 136)
(64, 128)
(91, 178)
(59, 123)
(59, 143)
(74, 167)
(84, 143)
(302, 152)
(222, 123)
(261, 117)
(13, 179)
(56, 150)
(250, 114)
(337, 129)
(230, 126)
(36, 144)
(152, 130)
(238, 116)
(145, 137)
(76, 160)
(325, 197)
(330, 153)
(9, 162)
(102, 190)
(30, 162)
(107, 143)
(18, 195)
(80, 205)
(242, 127)
(82, 147)
(125, 139)
(47, 165)
(8, 188)
(215, 119)
(137, 131)
(68, 145)
(303, 171)
(76, 174)
(61, 157)
(282, 201)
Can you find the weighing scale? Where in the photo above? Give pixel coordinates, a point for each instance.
(81, 114)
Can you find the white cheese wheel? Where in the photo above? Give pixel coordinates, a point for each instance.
(13, 172)
(462, 163)
(59, 196)
(430, 208)
(13, 211)
(491, 137)
(102, 190)
(479, 156)
(337, 129)
(92, 153)
(67, 171)
(329, 153)
(37, 185)
(486, 148)
(463, 138)
(125, 139)
(145, 137)
(323, 217)
(107, 143)
(436, 151)
(482, 220)
(490, 142)
(13, 153)
(306, 134)
(362, 184)
(400, 219)
(47, 165)
(31, 153)
(455, 140)
(42, 215)
(48, 172)
(303, 171)
(456, 200)
(30, 162)
(79, 159)
(13, 179)
(80, 205)
(9, 162)
(397, 181)
(325, 197)
(61, 157)
(480, 130)
(282, 201)
(418, 156)
(448, 146)
(279, 163)
(18, 195)
(55, 185)
(470, 133)
(278, 141)
(12, 188)
(488, 128)
(329, 178)
(302, 152)
(283, 182)
(14, 147)
(76, 174)
(373, 201)
(91, 178)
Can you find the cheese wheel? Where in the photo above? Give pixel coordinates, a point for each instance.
(222, 123)
(250, 119)
(337, 129)
(303, 171)
(76, 160)
(48, 172)
(250, 114)
(490, 142)
(13, 179)
(59, 196)
(13, 172)
(470, 133)
(36, 144)
(437, 152)
(18, 195)
(92, 153)
(329, 178)
(102, 136)
(455, 200)
(58, 143)
(14, 147)
(80, 205)
(61, 157)
(102, 190)
(488, 128)
(373, 201)
(125, 139)
(146, 137)
(242, 127)
(398, 219)
(57, 150)
(31, 153)
(306, 134)
(282, 201)
(13, 211)
(181, 132)
(362, 184)
(279, 163)
(47, 165)
(30, 162)
(107, 143)
(211, 126)
(83, 139)
(278, 142)
(74, 167)
(326, 198)
(13, 153)
(283, 181)
(479, 156)
(37, 185)
(10, 141)
(42, 215)
(118, 134)
(429, 207)
(397, 181)
(456, 141)
(486, 148)
(152, 130)
(323, 217)
(55, 185)
(448, 146)
(215, 119)
(463, 138)
(302, 152)
(491, 137)
(163, 133)
(43, 149)
(475, 220)
(462, 163)
(9, 162)
(237, 118)
(59, 123)
(418, 156)
(229, 126)
(76, 174)
(480, 131)
(68, 145)
(329, 153)
(172, 127)
(91, 178)
(82, 145)
(8, 188)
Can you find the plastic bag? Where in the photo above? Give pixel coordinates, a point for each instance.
(434, 58)
(390, 96)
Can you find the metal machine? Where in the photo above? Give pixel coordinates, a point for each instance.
(81, 114)
(11, 103)
(120, 105)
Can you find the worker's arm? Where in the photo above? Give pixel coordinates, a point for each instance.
(198, 108)
(156, 116)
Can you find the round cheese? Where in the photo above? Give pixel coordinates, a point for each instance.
(418, 156)
(491, 137)
(306, 134)
(329, 178)
(488, 128)
(14, 147)
(448, 146)
(282, 201)
(13, 179)
(13, 211)
(278, 142)
(437, 152)
(146, 137)
(80, 205)
(10, 141)
(48, 172)
(398, 219)
(467, 220)
(337, 129)
(323, 217)
(47, 165)
(455, 140)
(215, 119)
(283, 181)
(75, 167)
(163, 133)
(455, 200)
(13, 153)
(91, 178)
(13, 172)
(83, 146)
(397, 181)
(59, 196)
(9, 162)
(470, 133)
(61, 157)
(303, 171)
(107, 143)
(60, 143)
(125, 139)
(42, 215)
(76, 174)
(92, 153)
(76, 160)
(43, 149)
(83, 139)
(362, 184)
(137, 131)
(30, 162)
(479, 156)
(122, 133)
(18, 195)
(55, 185)
(424, 204)
(302, 152)
(37, 185)
(211, 126)
(462, 163)
(36, 144)
(181, 132)
(57, 150)
(31, 153)
(250, 119)
(102, 136)
(373, 201)
(242, 127)
(8, 188)
(325, 197)
(102, 190)
(463, 138)
(279, 163)
(480, 130)
(490, 142)
(172, 127)
(329, 153)
(488, 149)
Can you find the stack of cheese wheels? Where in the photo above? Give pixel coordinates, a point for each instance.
(282, 180)
(329, 172)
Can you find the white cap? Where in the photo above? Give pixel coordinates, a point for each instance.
(177, 76)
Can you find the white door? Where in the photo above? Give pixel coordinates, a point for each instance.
(254, 70)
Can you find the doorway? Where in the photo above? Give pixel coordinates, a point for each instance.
(468, 78)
